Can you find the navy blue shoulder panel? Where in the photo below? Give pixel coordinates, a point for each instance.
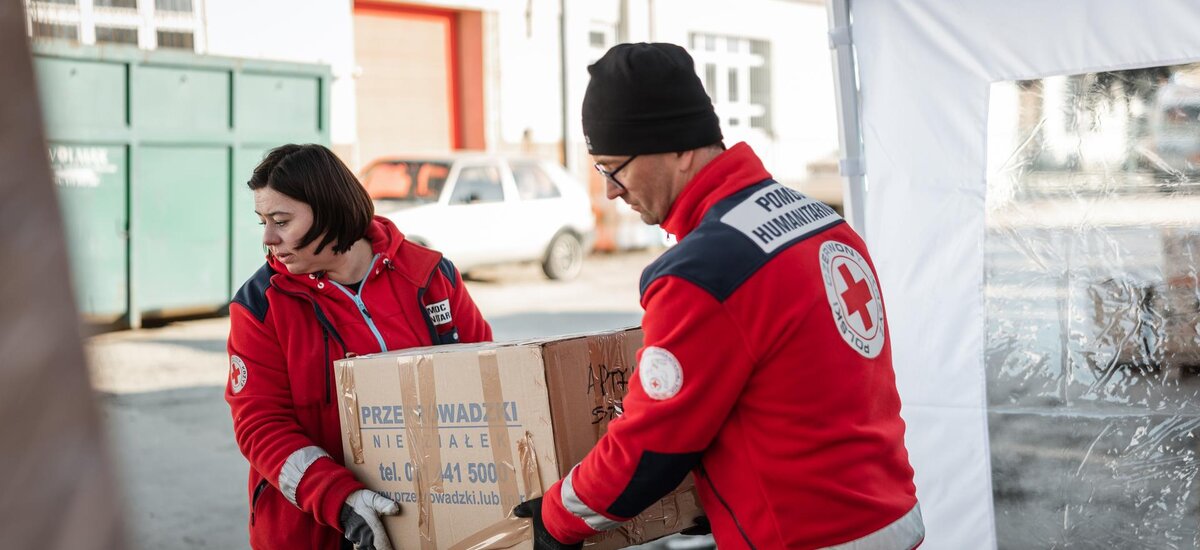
(253, 294)
(447, 268)
(718, 257)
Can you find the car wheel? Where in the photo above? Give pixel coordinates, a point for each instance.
(564, 257)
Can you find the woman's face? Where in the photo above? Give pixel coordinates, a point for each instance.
(285, 221)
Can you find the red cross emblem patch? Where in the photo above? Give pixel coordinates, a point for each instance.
(854, 298)
(237, 373)
(660, 373)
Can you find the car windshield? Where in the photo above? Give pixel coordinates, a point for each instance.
(407, 181)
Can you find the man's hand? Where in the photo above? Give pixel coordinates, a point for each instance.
(360, 519)
(542, 539)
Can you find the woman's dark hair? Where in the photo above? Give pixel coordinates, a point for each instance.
(312, 174)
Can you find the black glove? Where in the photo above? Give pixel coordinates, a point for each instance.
(542, 539)
(701, 527)
(360, 519)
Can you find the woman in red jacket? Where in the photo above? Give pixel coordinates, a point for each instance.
(338, 281)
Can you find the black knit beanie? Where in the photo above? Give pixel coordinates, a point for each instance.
(645, 99)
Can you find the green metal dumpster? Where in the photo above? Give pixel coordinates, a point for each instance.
(151, 152)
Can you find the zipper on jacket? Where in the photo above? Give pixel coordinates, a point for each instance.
(362, 308)
(433, 333)
(327, 330)
(258, 489)
(704, 473)
(322, 321)
(328, 369)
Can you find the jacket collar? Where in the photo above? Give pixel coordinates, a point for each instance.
(732, 171)
(414, 263)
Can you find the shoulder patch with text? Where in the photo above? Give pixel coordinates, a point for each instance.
(439, 313)
(854, 297)
(777, 215)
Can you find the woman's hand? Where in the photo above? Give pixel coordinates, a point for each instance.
(360, 519)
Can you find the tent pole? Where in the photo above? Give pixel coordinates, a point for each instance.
(852, 165)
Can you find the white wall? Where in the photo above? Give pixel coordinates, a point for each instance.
(529, 75)
(802, 95)
(523, 72)
(803, 102)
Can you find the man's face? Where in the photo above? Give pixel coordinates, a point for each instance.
(646, 183)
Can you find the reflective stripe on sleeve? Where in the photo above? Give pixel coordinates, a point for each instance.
(294, 468)
(572, 503)
(906, 532)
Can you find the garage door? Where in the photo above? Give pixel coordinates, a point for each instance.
(405, 91)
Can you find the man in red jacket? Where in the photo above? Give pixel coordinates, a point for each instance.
(766, 370)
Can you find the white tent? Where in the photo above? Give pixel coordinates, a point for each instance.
(925, 68)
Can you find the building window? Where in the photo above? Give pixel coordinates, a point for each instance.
(55, 30)
(736, 74)
(597, 39)
(53, 19)
(181, 6)
(175, 39)
(116, 35)
(602, 35)
(143, 23)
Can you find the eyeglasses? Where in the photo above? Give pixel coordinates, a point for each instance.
(612, 176)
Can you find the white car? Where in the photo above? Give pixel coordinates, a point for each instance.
(483, 210)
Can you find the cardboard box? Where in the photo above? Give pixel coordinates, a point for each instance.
(460, 434)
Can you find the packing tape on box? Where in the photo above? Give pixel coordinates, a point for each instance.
(665, 511)
(609, 378)
(493, 397)
(419, 401)
(511, 530)
(418, 395)
(345, 373)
